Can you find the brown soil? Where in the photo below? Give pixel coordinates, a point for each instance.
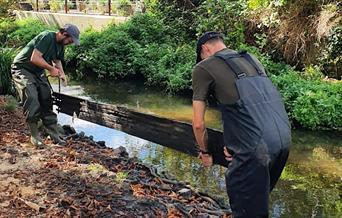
(85, 179)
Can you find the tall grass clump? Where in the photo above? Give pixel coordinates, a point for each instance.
(6, 58)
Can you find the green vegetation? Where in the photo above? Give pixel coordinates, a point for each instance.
(312, 103)
(131, 50)
(11, 103)
(18, 33)
(332, 56)
(159, 47)
(223, 17)
(141, 46)
(120, 177)
(7, 26)
(6, 58)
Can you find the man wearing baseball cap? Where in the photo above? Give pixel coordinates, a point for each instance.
(43, 52)
(256, 129)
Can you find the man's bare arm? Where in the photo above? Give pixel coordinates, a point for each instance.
(198, 124)
(38, 60)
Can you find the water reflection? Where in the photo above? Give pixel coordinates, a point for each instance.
(309, 187)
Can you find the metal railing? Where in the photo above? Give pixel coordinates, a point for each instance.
(97, 7)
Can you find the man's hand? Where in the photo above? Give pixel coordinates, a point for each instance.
(58, 65)
(227, 155)
(54, 72)
(207, 159)
(63, 78)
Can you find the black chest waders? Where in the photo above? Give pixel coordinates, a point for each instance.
(257, 132)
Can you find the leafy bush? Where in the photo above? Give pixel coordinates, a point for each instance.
(317, 107)
(176, 66)
(179, 17)
(224, 16)
(312, 73)
(6, 58)
(332, 55)
(114, 49)
(54, 5)
(145, 28)
(77, 56)
(146, 61)
(313, 104)
(166, 65)
(254, 4)
(26, 30)
(7, 26)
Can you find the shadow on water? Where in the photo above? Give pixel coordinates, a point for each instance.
(310, 185)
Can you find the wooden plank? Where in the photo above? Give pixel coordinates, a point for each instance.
(171, 133)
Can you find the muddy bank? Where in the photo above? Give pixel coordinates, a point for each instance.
(86, 179)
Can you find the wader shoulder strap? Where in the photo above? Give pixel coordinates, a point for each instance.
(252, 62)
(227, 59)
(235, 67)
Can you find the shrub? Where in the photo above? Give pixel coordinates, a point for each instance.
(77, 56)
(312, 73)
(6, 58)
(145, 28)
(223, 16)
(179, 17)
(332, 55)
(176, 66)
(133, 47)
(26, 30)
(7, 26)
(146, 62)
(167, 66)
(314, 104)
(319, 106)
(114, 49)
(124, 7)
(255, 4)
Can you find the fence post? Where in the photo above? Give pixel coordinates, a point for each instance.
(66, 6)
(37, 5)
(109, 7)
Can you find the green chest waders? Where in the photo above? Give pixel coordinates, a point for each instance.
(35, 93)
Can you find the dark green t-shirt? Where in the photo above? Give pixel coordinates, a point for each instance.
(213, 76)
(46, 43)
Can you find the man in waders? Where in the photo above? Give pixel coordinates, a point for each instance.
(44, 52)
(257, 133)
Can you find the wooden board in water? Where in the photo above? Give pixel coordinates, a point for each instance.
(167, 132)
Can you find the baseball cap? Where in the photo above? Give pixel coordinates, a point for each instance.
(203, 39)
(74, 32)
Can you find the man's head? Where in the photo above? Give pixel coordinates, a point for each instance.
(208, 44)
(68, 34)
